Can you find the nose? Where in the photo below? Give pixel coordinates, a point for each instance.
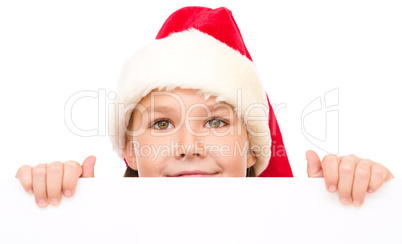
(189, 146)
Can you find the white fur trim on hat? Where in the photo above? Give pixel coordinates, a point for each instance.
(194, 60)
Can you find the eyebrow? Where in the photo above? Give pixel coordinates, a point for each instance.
(167, 109)
(161, 109)
(218, 106)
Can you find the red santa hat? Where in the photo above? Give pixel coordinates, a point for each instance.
(202, 48)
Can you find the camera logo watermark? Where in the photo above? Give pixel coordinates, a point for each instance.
(320, 122)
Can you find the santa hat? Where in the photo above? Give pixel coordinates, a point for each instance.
(202, 48)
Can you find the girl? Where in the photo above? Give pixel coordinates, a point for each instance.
(191, 104)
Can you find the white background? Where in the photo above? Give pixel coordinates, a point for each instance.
(201, 210)
(50, 50)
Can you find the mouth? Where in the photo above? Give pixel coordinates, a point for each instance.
(196, 173)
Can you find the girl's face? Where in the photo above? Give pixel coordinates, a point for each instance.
(179, 133)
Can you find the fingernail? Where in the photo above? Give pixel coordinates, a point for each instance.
(30, 190)
(332, 188)
(68, 193)
(54, 201)
(345, 201)
(356, 202)
(42, 202)
(370, 190)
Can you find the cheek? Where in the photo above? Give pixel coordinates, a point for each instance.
(231, 155)
(152, 154)
(231, 146)
(150, 167)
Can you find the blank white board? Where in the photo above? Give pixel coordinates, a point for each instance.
(201, 210)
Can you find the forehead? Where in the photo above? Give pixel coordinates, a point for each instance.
(179, 97)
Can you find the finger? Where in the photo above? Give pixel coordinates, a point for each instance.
(24, 174)
(361, 182)
(314, 168)
(330, 165)
(88, 167)
(389, 176)
(346, 174)
(379, 174)
(39, 184)
(350, 155)
(72, 171)
(54, 182)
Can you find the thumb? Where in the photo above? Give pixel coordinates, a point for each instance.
(88, 167)
(314, 168)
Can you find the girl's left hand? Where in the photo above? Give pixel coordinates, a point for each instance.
(353, 176)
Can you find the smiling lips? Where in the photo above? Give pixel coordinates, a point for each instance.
(196, 173)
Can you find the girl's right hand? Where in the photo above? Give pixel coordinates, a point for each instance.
(48, 181)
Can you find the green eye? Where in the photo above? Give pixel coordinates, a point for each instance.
(215, 123)
(162, 125)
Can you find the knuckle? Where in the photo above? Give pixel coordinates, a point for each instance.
(39, 169)
(350, 158)
(362, 173)
(330, 158)
(365, 162)
(378, 171)
(73, 168)
(72, 164)
(346, 167)
(363, 169)
(25, 169)
(55, 167)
